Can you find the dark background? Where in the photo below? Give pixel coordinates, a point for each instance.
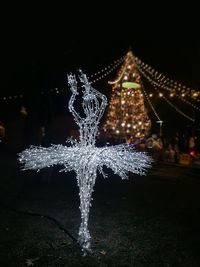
(40, 47)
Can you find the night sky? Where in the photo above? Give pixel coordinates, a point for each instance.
(38, 51)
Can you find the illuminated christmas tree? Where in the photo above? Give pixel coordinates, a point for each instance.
(127, 119)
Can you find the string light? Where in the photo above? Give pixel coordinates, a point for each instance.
(176, 108)
(83, 156)
(165, 83)
(150, 104)
(157, 85)
(6, 98)
(101, 74)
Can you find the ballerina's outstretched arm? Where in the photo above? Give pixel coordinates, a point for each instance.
(73, 87)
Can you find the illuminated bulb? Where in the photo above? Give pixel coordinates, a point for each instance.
(160, 94)
(123, 124)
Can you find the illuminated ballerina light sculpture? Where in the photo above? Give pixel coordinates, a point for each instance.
(83, 156)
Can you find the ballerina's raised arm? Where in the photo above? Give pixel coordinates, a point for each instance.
(94, 104)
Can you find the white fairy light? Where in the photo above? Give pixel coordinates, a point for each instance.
(83, 156)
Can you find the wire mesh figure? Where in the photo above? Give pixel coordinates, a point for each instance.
(83, 156)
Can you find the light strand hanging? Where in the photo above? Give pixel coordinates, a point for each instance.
(165, 82)
(176, 108)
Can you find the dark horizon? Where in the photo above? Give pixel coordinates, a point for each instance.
(43, 60)
(39, 59)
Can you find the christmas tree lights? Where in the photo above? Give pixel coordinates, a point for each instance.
(127, 118)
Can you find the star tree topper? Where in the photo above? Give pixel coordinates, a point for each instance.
(83, 156)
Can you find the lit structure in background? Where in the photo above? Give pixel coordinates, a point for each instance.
(83, 156)
(127, 118)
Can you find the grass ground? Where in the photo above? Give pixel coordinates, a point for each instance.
(145, 221)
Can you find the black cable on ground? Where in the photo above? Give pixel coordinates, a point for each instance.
(43, 216)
